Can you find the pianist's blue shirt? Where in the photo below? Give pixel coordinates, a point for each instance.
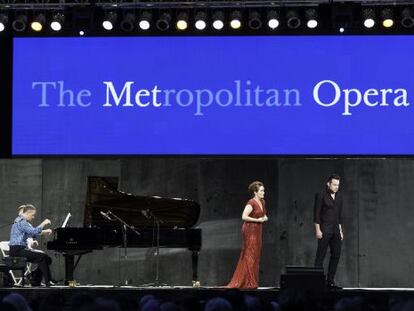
(21, 231)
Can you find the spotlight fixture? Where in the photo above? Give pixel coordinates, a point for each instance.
(3, 22)
(38, 22)
(273, 19)
(57, 22)
(293, 20)
(369, 18)
(128, 22)
(387, 17)
(311, 17)
(218, 20)
(200, 20)
(342, 16)
(20, 23)
(145, 20)
(337, 18)
(255, 21)
(163, 22)
(235, 19)
(109, 20)
(182, 21)
(407, 19)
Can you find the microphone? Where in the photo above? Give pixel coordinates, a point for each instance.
(105, 215)
(145, 213)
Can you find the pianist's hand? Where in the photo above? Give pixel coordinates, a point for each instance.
(47, 231)
(45, 222)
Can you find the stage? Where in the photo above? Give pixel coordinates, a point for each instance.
(376, 297)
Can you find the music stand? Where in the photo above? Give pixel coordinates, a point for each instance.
(124, 226)
(157, 221)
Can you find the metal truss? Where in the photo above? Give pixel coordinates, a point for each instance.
(165, 4)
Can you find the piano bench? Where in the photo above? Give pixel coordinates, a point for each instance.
(11, 264)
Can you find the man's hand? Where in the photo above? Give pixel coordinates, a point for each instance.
(319, 234)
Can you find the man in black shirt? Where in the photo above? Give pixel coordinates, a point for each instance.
(328, 228)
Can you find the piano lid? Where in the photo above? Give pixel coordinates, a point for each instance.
(103, 195)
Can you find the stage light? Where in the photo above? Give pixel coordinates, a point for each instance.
(57, 22)
(273, 19)
(387, 18)
(3, 22)
(81, 33)
(20, 23)
(163, 22)
(255, 21)
(293, 20)
(407, 19)
(218, 20)
(200, 20)
(145, 20)
(369, 18)
(387, 23)
(128, 22)
(311, 17)
(182, 21)
(38, 22)
(342, 16)
(109, 20)
(235, 19)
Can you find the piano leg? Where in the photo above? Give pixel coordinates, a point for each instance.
(194, 261)
(69, 268)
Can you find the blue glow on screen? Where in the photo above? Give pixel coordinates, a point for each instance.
(299, 95)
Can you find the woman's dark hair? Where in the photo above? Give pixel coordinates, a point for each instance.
(254, 187)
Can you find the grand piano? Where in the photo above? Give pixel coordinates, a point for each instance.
(176, 219)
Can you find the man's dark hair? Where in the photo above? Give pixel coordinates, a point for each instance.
(333, 176)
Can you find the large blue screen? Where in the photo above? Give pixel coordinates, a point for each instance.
(299, 95)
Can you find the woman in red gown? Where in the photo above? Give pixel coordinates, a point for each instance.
(254, 215)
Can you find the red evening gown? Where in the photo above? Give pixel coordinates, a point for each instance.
(246, 274)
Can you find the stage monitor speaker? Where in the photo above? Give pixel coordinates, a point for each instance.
(303, 278)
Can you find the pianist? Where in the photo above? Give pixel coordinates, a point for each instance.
(21, 231)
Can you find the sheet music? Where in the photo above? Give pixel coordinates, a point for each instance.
(65, 222)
